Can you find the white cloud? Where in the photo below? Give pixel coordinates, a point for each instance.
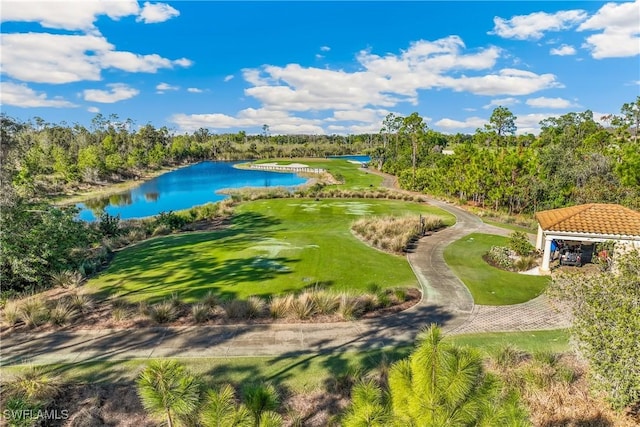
(504, 102)
(534, 25)
(229, 77)
(530, 123)
(318, 56)
(117, 92)
(194, 90)
(82, 15)
(543, 102)
(163, 87)
(325, 48)
(93, 110)
(57, 58)
(366, 115)
(66, 15)
(564, 50)
(507, 81)
(620, 37)
(20, 95)
(279, 121)
(157, 12)
(470, 123)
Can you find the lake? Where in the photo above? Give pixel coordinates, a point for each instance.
(183, 188)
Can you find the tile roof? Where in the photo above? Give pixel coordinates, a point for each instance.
(593, 218)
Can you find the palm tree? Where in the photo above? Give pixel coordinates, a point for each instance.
(438, 385)
(168, 390)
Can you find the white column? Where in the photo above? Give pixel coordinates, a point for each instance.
(546, 256)
(539, 238)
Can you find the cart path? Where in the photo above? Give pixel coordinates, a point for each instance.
(446, 301)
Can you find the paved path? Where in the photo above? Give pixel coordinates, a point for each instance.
(446, 301)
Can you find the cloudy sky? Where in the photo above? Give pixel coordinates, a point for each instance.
(316, 67)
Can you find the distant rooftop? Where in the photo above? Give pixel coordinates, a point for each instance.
(592, 218)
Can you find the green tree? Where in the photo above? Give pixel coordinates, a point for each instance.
(502, 122)
(414, 127)
(606, 324)
(169, 391)
(220, 410)
(438, 385)
(260, 399)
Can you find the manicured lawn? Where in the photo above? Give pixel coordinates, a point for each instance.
(510, 226)
(301, 373)
(490, 285)
(273, 247)
(354, 177)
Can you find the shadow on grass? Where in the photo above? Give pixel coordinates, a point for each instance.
(144, 270)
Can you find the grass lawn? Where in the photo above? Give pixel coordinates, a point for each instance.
(273, 246)
(510, 226)
(354, 176)
(301, 373)
(490, 285)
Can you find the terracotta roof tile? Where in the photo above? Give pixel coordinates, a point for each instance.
(594, 218)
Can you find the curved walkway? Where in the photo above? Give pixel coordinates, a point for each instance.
(446, 301)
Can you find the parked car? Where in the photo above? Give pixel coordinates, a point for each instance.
(571, 257)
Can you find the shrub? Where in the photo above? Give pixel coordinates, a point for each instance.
(161, 230)
(200, 312)
(109, 225)
(136, 235)
(15, 410)
(62, 313)
(81, 302)
(256, 307)
(35, 385)
(280, 307)
(210, 299)
(163, 312)
(170, 220)
(524, 263)
(369, 302)
(499, 256)
(325, 302)
(303, 306)
(350, 307)
(400, 294)
(174, 299)
(236, 309)
(33, 312)
(11, 313)
(119, 314)
(66, 279)
(519, 243)
(260, 398)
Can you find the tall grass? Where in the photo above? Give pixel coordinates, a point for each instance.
(34, 312)
(394, 234)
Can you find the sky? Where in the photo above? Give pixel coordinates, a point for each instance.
(316, 67)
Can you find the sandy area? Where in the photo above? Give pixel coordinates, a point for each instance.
(292, 165)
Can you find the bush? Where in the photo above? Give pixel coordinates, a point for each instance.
(11, 313)
(280, 307)
(66, 279)
(500, 257)
(170, 220)
(109, 225)
(238, 309)
(62, 313)
(163, 312)
(82, 303)
(351, 307)
(119, 314)
(210, 299)
(325, 302)
(35, 385)
(33, 312)
(524, 263)
(260, 398)
(519, 243)
(200, 312)
(303, 306)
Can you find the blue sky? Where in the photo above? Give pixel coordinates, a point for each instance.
(316, 67)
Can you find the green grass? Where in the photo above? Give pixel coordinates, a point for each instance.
(487, 284)
(554, 341)
(301, 373)
(354, 176)
(510, 226)
(273, 247)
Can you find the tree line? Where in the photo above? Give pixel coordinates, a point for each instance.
(575, 159)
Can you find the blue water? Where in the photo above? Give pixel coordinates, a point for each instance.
(183, 188)
(358, 158)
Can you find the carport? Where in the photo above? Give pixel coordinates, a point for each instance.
(590, 223)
